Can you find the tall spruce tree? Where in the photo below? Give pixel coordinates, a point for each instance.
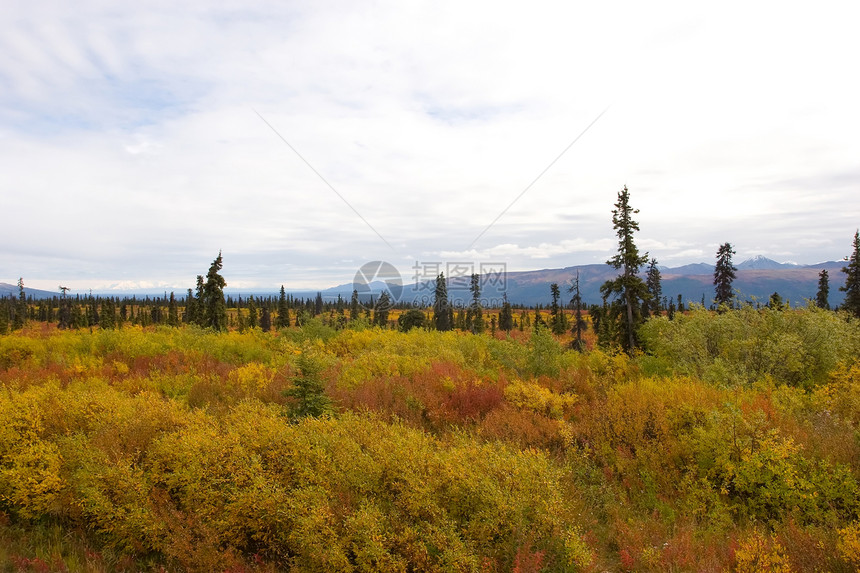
(353, 306)
(475, 316)
(172, 311)
(283, 318)
(822, 297)
(20, 316)
(198, 302)
(266, 318)
(441, 314)
(556, 321)
(506, 316)
(107, 319)
(655, 288)
(628, 290)
(724, 274)
(852, 279)
(252, 313)
(214, 305)
(578, 322)
(380, 311)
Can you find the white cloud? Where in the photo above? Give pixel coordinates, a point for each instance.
(133, 151)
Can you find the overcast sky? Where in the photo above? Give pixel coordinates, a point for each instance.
(139, 139)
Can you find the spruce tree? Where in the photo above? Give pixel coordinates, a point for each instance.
(283, 318)
(655, 288)
(214, 305)
(506, 316)
(198, 302)
(475, 316)
(556, 322)
(266, 319)
(107, 319)
(188, 317)
(823, 295)
(4, 316)
(353, 306)
(578, 322)
(538, 317)
(628, 290)
(852, 279)
(724, 274)
(20, 316)
(380, 314)
(252, 312)
(441, 314)
(172, 311)
(308, 391)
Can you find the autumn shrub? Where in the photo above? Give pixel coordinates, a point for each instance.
(848, 543)
(539, 399)
(760, 553)
(795, 347)
(767, 476)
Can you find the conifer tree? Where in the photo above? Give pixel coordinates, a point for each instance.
(283, 318)
(475, 316)
(92, 313)
(20, 316)
(353, 306)
(188, 317)
(655, 288)
(724, 274)
(266, 318)
(852, 279)
(822, 297)
(318, 304)
(628, 290)
(380, 314)
(308, 391)
(107, 319)
(556, 322)
(441, 303)
(506, 316)
(252, 312)
(578, 322)
(214, 305)
(172, 311)
(538, 317)
(4, 316)
(198, 302)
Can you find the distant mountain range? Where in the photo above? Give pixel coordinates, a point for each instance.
(757, 278)
(12, 290)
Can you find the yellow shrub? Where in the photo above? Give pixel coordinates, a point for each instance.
(531, 396)
(759, 554)
(30, 478)
(848, 543)
(250, 379)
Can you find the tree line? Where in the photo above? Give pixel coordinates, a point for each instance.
(627, 301)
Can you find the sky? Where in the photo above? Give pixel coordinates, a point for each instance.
(304, 139)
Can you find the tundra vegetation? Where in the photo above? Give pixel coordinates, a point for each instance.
(728, 441)
(620, 438)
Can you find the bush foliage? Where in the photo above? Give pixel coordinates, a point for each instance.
(732, 444)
